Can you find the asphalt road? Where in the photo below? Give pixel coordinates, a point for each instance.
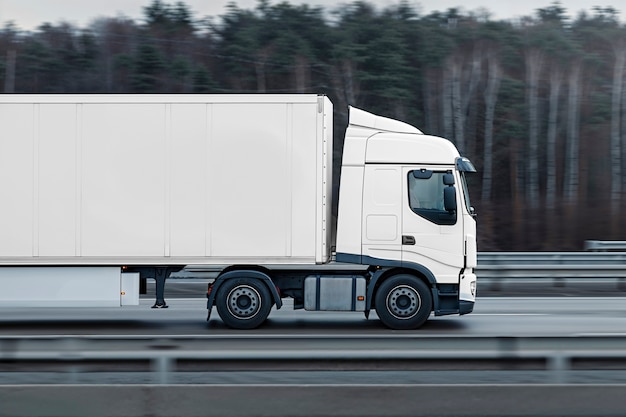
(314, 401)
(492, 316)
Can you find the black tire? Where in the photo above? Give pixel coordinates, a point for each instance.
(403, 302)
(243, 303)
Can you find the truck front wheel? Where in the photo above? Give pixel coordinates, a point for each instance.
(403, 302)
(243, 303)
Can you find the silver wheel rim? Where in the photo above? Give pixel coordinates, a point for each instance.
(244, 302)
(403, 302)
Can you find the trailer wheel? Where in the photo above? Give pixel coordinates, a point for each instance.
(403, 302)
(243, 303)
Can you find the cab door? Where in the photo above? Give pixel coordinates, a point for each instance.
(431, 235)
(382, 212)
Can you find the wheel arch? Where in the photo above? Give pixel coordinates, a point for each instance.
(232, 272)
(418, 271)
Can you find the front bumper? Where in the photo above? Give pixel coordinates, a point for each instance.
(465, 307)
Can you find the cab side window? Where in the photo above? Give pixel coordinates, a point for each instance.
(426, 197)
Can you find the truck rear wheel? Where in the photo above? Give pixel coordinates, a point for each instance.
(403, 302)
(243, 303)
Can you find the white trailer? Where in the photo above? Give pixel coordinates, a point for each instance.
(100, 190)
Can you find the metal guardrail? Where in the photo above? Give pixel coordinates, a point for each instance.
(569, 259)
(605, 245)
(555, 355)
(496, 267)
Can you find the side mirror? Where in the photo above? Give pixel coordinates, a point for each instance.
(448, 179)
(449, 198)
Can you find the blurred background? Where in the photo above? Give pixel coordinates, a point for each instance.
(537, 102)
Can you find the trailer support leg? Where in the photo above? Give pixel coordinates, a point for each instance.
(160, 275)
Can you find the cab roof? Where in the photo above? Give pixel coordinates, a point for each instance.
(375, 139)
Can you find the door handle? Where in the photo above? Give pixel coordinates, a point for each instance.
(408, 240)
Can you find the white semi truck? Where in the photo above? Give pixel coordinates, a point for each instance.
(100, 191)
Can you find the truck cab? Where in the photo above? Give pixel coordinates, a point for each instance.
(404, 209)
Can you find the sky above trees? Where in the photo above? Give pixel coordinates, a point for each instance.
(28, 14)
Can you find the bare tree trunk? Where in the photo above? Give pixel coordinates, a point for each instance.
(469, 111)
(555, 91)
(259, 68)
(474, 79)
(352, 88)
(516, 193)
(399, 111)
(446, 101)
(534, 61)
(616, 152)
(491, 96)
(302, 74)
(457, 106)
(109, 72)
(339, 86)
(623, 130)
(262, 57)
(9, 77)
(430, 114)
(570, 190)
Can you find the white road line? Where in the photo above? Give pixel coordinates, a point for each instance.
(566, 299)
(509, 314)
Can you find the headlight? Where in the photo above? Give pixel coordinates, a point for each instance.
(473, 288)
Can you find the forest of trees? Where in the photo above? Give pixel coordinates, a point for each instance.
(538, 103)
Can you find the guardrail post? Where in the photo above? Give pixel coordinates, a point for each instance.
(558, 365)
(507, 345)
(162, 366)
(496, 285)
(71, 375)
